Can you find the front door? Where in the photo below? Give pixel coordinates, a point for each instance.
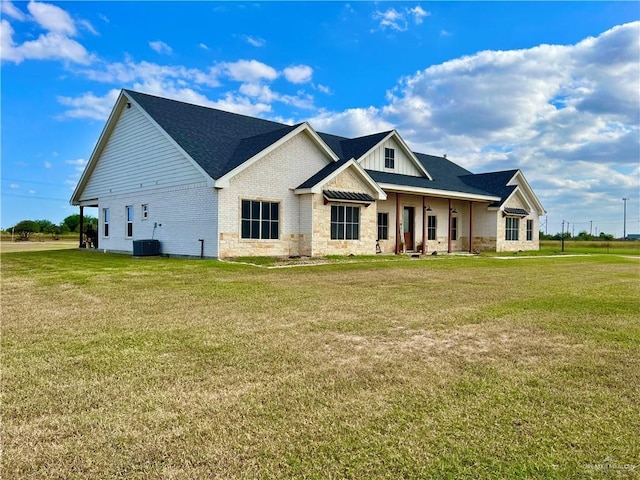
(407, 227)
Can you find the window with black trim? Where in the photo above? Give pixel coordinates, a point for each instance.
(454, 228)
(511, 228)
(260, 220)
(145, 211)
(345, 222)
(105, 222)
(129, 217)
(529, 230)
(431, 227)
(389, 158)
(383, 226)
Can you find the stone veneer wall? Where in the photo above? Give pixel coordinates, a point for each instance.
(322, 244)
(522, 243)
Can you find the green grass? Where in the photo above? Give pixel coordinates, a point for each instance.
(444, 367)
(631, 247)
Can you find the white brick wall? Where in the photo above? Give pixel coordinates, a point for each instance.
(183, 216)
(272, 178)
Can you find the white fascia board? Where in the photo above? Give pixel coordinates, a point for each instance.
(317, 188)
(405, 147)
(210, 181)
(528, 190)
(99, 147)
(432, 192)
(223, 181)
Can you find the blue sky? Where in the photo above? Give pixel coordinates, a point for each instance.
(551, 88)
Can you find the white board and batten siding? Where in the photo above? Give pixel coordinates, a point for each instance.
(403, 164)
(138, 156)
(140, 166)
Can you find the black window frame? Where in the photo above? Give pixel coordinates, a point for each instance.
(105, 222)
(511, 229)
(432, 227)
(529, 230)
(259, 220)
(129, 221)
(389, 158)
(345, 222)
(383, 226)
(454, 228)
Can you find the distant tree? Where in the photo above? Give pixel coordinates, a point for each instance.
(545, 236)
(26, 228)
(46, 226)
(558, 236)
(605, 236)
(72, 222)
(584, 236)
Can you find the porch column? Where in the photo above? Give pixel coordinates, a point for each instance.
(470, 226)
(397, 223)
(449, 234)
(424, 225)
(81, 227)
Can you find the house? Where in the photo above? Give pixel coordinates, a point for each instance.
(215, 184)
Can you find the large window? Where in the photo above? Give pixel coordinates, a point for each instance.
(431, 227)
(345, 223)
(105, 222)
(260, 220)
(129, 217)
(529, 230)
(383, 226)
(389, 158)
(454, 228)
(511, 228)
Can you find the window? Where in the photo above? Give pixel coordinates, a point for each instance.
(345, 223)
(511, 227)
(454, 228)
(431, 227)
(145, 211)
(383, 226)
(105, 222)
(529, 230)
(260, 220)
(389, 158)
(129, 214)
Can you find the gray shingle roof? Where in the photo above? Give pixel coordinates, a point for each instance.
(220, 141)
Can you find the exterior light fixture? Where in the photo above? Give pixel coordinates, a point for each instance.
(428, 208)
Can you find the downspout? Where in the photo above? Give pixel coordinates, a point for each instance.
(424, 226)
(81, 227)
(397, 223)
(449, 235)
(470, 226)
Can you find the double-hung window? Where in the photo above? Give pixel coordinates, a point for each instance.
(260, 220)
(511, 228)
(389, 158)
(129, 217)
(345, 222)
(529, 230)
(383, 226)
(105, 222)
(431, 227)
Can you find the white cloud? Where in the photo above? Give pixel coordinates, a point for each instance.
(52, 18)
(204, 46)
(298, 73)
(14, 186)
(48, 164)
(9, 9)
(55, 44)
(247, 71)
(161, 47)
(89, 106)
(398, 20)
(255, 41)
(567, 115)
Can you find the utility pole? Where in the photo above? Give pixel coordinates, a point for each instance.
(590, 227)
(624, 228)
(562, 236)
